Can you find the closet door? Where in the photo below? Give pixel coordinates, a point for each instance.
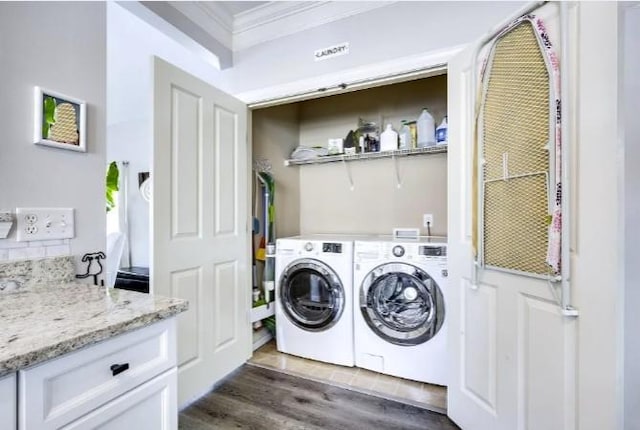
(513, 352)
(199, 218)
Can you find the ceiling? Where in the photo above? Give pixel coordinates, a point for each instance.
(239, 25)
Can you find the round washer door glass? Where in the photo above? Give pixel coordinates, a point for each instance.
(402, 304)
(311, 294)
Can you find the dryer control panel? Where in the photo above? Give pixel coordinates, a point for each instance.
(432, 251)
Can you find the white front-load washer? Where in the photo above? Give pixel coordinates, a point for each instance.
(400, 308)
(314, 298)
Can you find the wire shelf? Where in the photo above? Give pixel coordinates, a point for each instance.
(438, 149)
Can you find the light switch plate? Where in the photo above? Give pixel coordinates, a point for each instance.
(44, 224)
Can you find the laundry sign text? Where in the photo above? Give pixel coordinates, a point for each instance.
(332, 51)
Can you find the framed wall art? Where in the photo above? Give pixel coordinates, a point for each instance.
(60, 121)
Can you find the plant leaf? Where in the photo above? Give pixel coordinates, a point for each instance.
(113, 175)
(48, 115)
(112, 180)
(49, 110)
(110, 203)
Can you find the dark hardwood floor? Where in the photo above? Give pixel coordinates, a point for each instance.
(258, 398)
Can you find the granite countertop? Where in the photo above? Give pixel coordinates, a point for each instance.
(54, 319)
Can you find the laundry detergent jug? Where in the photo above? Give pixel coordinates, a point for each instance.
(426, 129)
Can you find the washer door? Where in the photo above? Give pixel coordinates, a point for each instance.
(402, 304)
(311, 294)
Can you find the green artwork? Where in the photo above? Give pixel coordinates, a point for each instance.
(48, 115)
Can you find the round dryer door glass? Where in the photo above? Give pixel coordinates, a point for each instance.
(311, 294)
(402, 304)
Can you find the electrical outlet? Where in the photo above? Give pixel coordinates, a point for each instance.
(427, 220)
(44, 224)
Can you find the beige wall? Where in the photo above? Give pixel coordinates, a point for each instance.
(376, 205)
(319, 199)
(275, 135)
(333, 117)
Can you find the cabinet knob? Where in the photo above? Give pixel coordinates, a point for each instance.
(119, 368)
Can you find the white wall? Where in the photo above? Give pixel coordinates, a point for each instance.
(597, 257)
(631, 126)
(413, 28)
(61, 47)
(131, 43)
(398, 30)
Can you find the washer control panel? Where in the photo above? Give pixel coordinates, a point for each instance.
(308, 246)
(333, 248)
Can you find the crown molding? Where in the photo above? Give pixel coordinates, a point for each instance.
(276, 19)
(211, 17)
(270, 12)
(268, 21)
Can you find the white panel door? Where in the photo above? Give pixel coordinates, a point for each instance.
(512, 351)
(200, 243)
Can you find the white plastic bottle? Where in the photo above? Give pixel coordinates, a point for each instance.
(389, 139)
(426, 129)
(405, 136)
(441, 132)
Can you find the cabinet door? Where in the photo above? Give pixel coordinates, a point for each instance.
(199, 224)
(150, 406)
(8, 407)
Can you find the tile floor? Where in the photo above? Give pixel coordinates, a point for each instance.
(433, 397)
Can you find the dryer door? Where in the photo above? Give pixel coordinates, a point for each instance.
(402, 304)
(312, 295)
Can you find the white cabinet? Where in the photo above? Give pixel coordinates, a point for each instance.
(150, 406)
(67, 389)
(8, 400)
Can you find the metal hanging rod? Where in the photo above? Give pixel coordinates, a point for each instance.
(342, 87)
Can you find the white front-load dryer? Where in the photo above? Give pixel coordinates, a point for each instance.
(400, 324)
(314, 298)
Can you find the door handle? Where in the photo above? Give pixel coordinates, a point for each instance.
(116, 369)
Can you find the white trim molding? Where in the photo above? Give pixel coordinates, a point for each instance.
(268, 21)
(211, 17)
(276, 19)
(382, 73)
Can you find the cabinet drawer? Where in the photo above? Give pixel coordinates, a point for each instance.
(61, 390)
(153, 405)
